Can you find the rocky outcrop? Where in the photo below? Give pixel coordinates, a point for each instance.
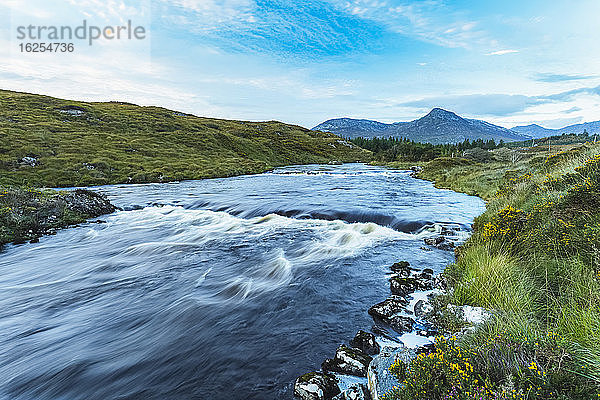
(400, 323)
(401, 286)
(347, 361)
(365, 342)
(316, 386)
(355, 392)
(34, 213)
(422, 308)
(389, 307)
(379, 378)
(88, 203)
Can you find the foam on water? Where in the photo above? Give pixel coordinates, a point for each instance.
(241, 283)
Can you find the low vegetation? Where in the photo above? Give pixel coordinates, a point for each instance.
(26, 213)
(49, 142)
(534, 262)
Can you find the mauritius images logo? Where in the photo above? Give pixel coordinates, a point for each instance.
(54, 38)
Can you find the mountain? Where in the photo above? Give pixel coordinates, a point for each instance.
(537, 131)
(439, 126)
(45, 141)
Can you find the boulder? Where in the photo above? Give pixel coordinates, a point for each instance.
(439, 242)
(365, 342)
(400, 323)
(421, 308)
(354, 392)
(316, 386)
(404, 286)
(389, 307)
(88, 203)
(347, 361)
(434, 241)
(379, 379)
(402, 268)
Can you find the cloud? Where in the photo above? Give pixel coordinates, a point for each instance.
(502, 52)
(477, 104)
(278, 27)
(497, 104)
(570, 94)
(430, 21)
(551, 78)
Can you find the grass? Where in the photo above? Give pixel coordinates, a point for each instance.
(534, 261)
(49, 142)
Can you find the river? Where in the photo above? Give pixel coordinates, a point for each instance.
(214, 289)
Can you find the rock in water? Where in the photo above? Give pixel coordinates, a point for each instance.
(316, 386)
(403, 286)
(402, 268)
(355, 392)
(401, 324)
(88, 203)
(387, 308)
(365, 342)
(347, 361)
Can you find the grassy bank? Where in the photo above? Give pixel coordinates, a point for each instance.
(26, 214)
(49, 142)
(534, 261)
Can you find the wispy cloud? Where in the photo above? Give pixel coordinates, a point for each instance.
(431, 21)
(498, 105)
(502, 52)
(477, 104)
(551, 78)
(278, 27)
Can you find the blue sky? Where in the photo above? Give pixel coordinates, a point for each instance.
(510, 62)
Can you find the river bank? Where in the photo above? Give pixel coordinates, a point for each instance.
(533, 262)
(26, 214)
(528, 278)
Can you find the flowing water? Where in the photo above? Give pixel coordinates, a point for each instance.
(215, 289)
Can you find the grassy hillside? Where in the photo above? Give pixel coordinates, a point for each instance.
(51, 142)
(534, 261)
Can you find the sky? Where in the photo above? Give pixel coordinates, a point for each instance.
(511, 62)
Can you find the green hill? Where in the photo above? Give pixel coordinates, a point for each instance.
(45, 141)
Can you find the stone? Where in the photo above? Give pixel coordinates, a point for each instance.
(88, 203)
(365, 342)
(347, 361)
(434, 241)
(316, 386)
(402, 268)
(400, 323)
(422, 308)
(439, 242)
(379, 379)
(354, 392)
(389, 307)
(402, 286)
(29, 161)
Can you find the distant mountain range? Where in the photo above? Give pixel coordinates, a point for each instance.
(441, 126)
(537, 131)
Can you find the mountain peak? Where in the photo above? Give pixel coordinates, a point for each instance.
(440, 113)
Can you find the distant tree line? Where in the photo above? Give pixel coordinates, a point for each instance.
(403, 149)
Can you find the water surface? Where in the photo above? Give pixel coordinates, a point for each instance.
(214, 289)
